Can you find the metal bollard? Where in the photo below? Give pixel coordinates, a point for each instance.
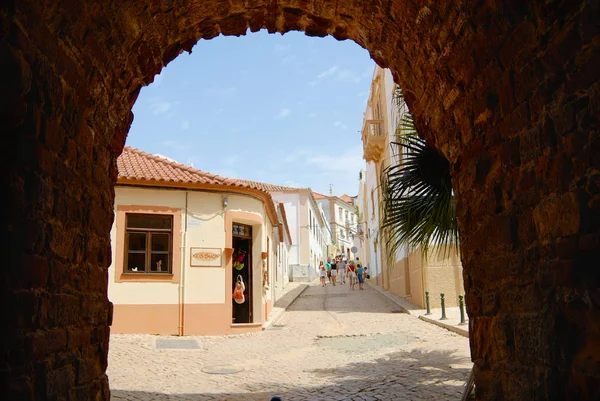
(461, 305)
(443, 308)
(427, 302)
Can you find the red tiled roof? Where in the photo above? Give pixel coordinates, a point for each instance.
(319, 196)
(136, 165)
(271, 187)
(347, 199)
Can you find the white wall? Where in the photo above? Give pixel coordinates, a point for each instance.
(291, 204)
(314, 244)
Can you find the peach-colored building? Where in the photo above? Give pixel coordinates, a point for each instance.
(407, 273)
(181, 239)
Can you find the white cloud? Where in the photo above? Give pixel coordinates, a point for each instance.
(340, 74)
(229, 91)
(191, 161)
(230, 160)
(292, 183)
(157, 81)
(340, 125)
(348, 76)
(176, 146)
(185, 124)
(160, 107)
(282, 48)
(328, 72)
(295, 155)
(349, 161)
(165, 157)
(288, 59)
(283, 113)
(226, 172)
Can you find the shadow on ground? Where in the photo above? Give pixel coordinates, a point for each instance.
(415, 375)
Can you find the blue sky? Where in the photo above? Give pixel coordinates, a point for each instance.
(283, 109)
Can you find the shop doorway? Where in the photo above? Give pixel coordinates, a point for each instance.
(242, 271)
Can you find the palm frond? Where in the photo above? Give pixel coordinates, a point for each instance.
(418, 203)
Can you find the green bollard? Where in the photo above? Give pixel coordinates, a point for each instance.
(461, 305)
(427, 303)
(443, 308)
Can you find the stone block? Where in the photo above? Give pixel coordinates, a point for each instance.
(557, 216)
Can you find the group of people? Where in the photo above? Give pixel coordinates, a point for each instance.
(337, 267)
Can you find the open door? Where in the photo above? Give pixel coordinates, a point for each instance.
(242, 271)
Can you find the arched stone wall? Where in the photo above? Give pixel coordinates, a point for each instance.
(507, 90)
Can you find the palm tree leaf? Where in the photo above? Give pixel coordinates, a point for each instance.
(418, 203)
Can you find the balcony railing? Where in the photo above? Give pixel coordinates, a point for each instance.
(374, 138)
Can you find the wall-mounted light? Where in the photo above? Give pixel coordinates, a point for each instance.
(225, 201)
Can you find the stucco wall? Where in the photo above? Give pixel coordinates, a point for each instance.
(443, 274)
(203, 226)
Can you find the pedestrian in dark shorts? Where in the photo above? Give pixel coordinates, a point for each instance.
(328, 266)
(333, 272)
(361, 278)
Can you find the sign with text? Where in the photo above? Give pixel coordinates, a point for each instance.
(205, 257)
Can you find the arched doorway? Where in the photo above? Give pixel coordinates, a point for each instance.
(509, 93)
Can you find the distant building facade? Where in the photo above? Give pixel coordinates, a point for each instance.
(406, 273)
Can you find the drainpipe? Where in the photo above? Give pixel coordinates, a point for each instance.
(182, 270)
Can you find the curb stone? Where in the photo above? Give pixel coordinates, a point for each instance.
(406, 306)
(275, 315)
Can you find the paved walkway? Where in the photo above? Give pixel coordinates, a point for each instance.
(331, 344)
(452, 321)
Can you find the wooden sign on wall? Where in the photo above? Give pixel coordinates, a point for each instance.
(205, 257)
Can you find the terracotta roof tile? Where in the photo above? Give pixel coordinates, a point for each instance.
(134, 164)
(270, 187)
(347, 199)
(319, 196)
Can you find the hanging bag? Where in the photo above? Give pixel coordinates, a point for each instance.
(238, 291)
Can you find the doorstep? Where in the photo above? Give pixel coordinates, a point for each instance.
(246, 325)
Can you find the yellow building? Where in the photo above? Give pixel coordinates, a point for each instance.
(407, 274)
(181, 240)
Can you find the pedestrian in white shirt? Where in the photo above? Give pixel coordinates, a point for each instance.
(341, 267)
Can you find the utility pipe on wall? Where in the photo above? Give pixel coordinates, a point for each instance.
(181, 287)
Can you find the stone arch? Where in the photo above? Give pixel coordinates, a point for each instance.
(508, 91)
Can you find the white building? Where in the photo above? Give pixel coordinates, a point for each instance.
(340, 212)
(308, 230)
(408, 274)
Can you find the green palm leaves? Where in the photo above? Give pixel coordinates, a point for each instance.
(418, 201)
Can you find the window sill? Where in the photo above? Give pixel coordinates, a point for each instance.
(146, 277)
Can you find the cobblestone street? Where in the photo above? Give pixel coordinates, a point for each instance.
(331, 344)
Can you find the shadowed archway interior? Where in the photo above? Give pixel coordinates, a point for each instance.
(508, 91)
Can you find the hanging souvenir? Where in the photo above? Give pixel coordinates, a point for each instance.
(238, 259)
(238, 291)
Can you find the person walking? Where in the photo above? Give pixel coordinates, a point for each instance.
(361, 278)
(328, 267)
(322, 273)
(341, 267)
(351, 274)
(333, 272)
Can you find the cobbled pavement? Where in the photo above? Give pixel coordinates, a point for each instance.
(331, 344)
